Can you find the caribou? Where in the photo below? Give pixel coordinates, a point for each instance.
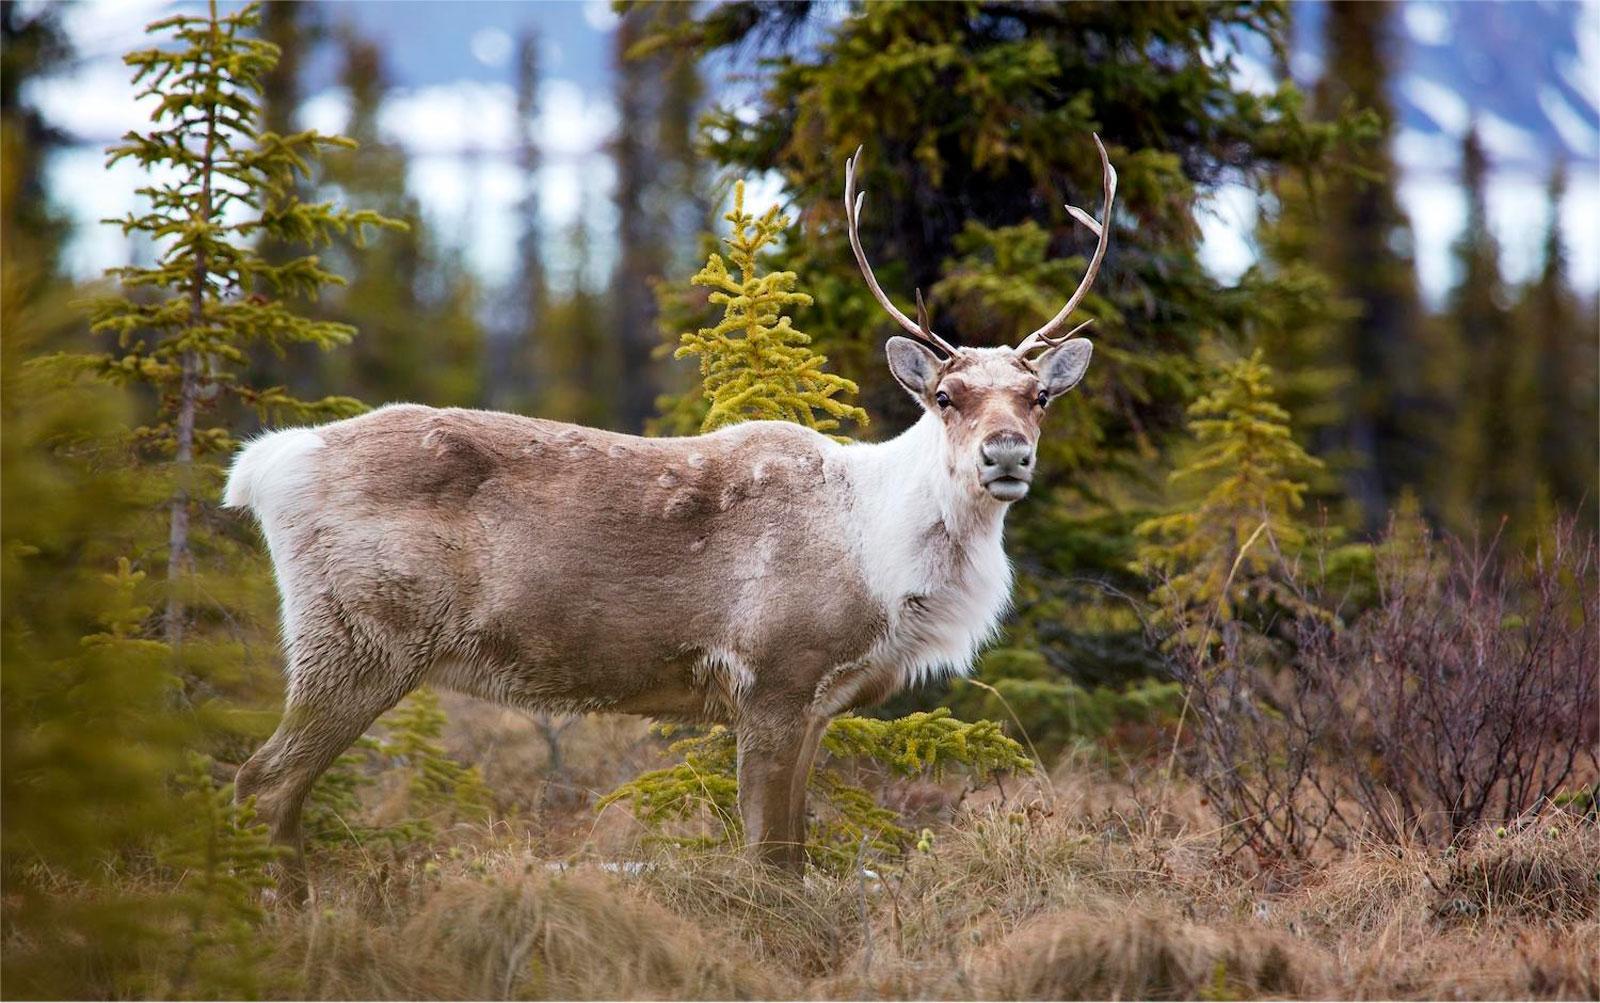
(763, 576)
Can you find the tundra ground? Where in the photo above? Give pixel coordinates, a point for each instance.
(1102, 879)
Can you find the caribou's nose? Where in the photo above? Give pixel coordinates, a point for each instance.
(1007, 454)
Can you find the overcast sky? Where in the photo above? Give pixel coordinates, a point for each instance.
(453, 109)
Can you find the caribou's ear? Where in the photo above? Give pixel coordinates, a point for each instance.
(913, 365)
(1062, 367)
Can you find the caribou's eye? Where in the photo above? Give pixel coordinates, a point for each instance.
(1042, 399)
(942, 399)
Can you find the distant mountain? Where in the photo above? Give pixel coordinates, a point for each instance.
(1528, 73)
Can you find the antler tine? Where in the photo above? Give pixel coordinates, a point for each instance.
(852, 213)
(1102, 230)
(1036, 340)
(922, 318)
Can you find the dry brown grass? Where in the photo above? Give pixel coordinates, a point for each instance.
(537, 937)
(1105, 881)
(1081, 955)
(1073, 891)
(1546, 870)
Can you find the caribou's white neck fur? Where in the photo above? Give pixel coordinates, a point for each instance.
(929, 541)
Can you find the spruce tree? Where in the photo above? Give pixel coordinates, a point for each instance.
(1239, 520)
(641, 251)
(657, 193)
(87, 739)
(87, 736)
(1553, 327)
(33, 44)
(1305, 336)
(1488, 464)
(513, 364)
(223, 856)
(96, 843)
(579, 357)
(754, 364)
(186, 322)
(1362, 241)
(438, 785)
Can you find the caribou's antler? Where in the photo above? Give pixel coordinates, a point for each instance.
(918, 330)
(1044, 336)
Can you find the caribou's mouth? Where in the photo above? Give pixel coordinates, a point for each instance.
(1006, 489)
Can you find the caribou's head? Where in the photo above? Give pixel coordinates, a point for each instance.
(991, 401)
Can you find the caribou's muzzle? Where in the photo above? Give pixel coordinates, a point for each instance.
(1005, 466)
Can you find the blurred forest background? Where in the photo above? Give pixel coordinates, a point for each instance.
(1382, 407)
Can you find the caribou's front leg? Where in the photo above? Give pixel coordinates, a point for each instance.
(799, 780)
(776, 749)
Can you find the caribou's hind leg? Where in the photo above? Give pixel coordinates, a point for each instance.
(340, 681)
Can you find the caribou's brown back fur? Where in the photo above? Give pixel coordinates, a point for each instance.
(555, 566)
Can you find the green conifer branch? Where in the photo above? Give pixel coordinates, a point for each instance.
(223, 858)
(438, 785)
(703, 786)
(755, 364)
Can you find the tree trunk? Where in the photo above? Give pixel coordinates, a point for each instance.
(178, 558)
